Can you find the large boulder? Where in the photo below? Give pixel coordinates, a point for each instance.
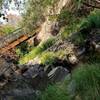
(58, 74)
(37, 76)
(33, 71)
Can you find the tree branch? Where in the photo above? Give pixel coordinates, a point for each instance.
(90, 5)
(98, 1)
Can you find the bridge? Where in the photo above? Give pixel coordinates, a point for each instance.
(15, 38)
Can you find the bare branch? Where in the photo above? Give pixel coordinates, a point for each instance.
(91, 5)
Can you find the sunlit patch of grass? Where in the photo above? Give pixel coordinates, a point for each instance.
(47, 58)
(37, 51)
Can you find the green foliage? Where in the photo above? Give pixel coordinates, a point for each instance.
(22, 49)
(7, 29)
(47, 43)
(48, 2)
(83, 85)
(92, 21)
(47, 58)
(36, 51)
(87, 82)
(64, 17)
(1, 2)
(18, 52)
(70, 22)
(54, 93)
(86, 25)
(93, 57)
(35, 13)
(79, 2)
(73, 26)
(78, 39)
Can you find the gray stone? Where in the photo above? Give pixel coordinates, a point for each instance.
(47, 69)
(33, 71)
(58, 74)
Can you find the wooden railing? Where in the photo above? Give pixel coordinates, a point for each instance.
(15, 38)
(10, 38)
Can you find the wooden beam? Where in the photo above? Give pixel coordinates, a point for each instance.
(14, 44)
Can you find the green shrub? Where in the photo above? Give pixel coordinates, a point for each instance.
(23, 47)
(54, 93)
(47, 58)
(70, 22)
(47, 43)
(7, 29)
(93, 57)
(86, 25)
(18, 52)
(34, 15)
(84, 84)
(36, 51)
(92, 21)
(87, 82)
(64, 17)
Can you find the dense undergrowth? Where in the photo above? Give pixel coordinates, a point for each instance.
(37, 51)
(6, 30)
(84, 84)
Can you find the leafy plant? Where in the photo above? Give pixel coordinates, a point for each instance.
(92, 21)
(87, 82)
(86, 25)
(35, 13)
(54, 93)
(47, 58)
(7, 29)
(36, 51)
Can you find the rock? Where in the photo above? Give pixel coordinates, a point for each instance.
(72, 88)
(33, 71)
(20, 92)
(36, 76)
(55, 28)
(6, 69)
(72, 59)
(98, 48)
(3, 84)
(58, 74)
(47, 69)
(36, 41)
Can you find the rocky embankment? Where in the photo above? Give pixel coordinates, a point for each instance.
(33, 77)
(30, 79)
(14, 79)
